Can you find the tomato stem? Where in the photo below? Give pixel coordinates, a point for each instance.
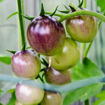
(81, 12)
(88, 48)
(21, 29)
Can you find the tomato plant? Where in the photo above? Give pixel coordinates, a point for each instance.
(55, 68)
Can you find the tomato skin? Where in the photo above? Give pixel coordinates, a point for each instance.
(26, 64)
(28, 95)
(58, 77)
(46, 35)
(69, 56)
(82, 28)
(52, 98)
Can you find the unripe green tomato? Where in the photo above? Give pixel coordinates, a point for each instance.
(68, 57)
(82, 28)
(26, 64)
(28, 95)
(52, 98)
(58, 77)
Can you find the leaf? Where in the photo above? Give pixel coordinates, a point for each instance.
(1, 0)
(54, 11)
(42, 12)
(67, 11)
(28, 17)
(11, 15)
(44, 62)
(101, 4)
(83, 71)
(67, 8)
(1, 103)
(11, 51)
(12, 100)
(80, 5)
(5, 59)
(101, 99)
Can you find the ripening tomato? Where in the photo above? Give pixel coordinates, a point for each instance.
(82, 28)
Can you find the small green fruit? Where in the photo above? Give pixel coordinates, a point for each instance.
(82, 28)
(68, 57)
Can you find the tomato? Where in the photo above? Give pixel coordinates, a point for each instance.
(82, 28)
(46, 35)
(58, 77)
(28, 95)
(68, 57)
(26, 64)
(52, 98)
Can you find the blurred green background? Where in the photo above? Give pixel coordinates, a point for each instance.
(9, 34)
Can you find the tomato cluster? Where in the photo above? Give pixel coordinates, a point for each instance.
(47, 36)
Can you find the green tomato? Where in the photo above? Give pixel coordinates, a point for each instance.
(58, 77)
(82, 28)
(52, 98)
(28, 95)
(68, 57)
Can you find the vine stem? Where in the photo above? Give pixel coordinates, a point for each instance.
(88, 48)
(82, 12)
(21, 29)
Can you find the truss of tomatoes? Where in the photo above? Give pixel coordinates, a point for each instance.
(47, 36)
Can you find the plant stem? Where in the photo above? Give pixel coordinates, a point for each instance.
(83, 45)
(21, 38)
(87, 102)
(84, 3)
(88, 48)
(81, 12)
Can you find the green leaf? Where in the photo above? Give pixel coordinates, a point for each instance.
(11, 51)
(42, 12)
(101, 4)
(1, 103)
(12, 15)
(12, 100)
(67, 11)
(101, 99)
(83, 71)
(5, 59)
(28, 17)
(54, 11)
(67, 8)
(80, 5)
(1, 0)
